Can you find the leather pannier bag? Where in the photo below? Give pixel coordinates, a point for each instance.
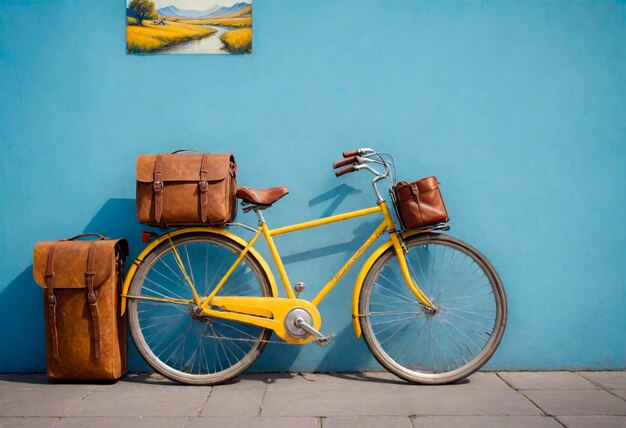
(419, 203)
(86, 336)
(195, 189)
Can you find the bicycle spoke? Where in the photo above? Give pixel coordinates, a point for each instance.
(172, 270)
(163, 288)
(414, 317)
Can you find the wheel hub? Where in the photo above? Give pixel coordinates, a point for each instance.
(197, 313)
(431, 311)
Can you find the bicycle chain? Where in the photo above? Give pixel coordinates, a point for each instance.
(239, 339)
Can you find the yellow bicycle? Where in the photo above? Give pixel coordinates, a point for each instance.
(203, 303)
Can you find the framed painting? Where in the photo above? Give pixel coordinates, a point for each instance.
(189, 26)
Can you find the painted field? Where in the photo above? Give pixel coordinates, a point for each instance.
(150, 37)
(238, 41)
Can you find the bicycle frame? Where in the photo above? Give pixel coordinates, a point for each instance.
(269, 312)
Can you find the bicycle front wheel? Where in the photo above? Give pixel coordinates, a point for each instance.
(441, 346)
(178, 342)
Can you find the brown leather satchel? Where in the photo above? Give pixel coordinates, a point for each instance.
(419, 203)
(186, 189)
(86, 336)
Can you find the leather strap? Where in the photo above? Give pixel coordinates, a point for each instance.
(203, 189)
(52, 301)
(82, 235)
(92, 299)
(184, 150)
(120, 268)
(157, 188)
(415, 191)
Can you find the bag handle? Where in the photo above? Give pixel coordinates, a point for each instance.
(82, 235)
(186, 150)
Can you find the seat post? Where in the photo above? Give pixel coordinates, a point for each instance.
(259, 215)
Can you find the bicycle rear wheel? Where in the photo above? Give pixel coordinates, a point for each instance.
(178, 343)
(433, 347)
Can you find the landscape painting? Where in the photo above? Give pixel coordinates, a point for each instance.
(189, 26)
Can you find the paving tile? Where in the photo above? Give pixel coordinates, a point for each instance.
(27, 422)
(249, 381)
(485, 422)
(451, 402)
(120, 422)
(608, 380)
(367, 422)
(253, 422)
(593, 421)
(577, 402)
(480, 381)
(309, 382)
(41, 400)
(234, 402)
(138, 379)
(546, 380)
(142, 400)
(388, 402)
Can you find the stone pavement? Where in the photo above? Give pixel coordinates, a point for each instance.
(363, 400)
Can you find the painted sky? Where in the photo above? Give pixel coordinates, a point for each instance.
(196, 4)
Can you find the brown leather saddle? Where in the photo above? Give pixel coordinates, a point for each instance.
(260, 199)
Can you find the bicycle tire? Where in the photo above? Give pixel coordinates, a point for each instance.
(435, 348)
(208, 351)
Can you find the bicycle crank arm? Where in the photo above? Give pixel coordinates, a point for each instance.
(320, 339)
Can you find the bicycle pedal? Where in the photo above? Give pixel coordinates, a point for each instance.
(323, 341)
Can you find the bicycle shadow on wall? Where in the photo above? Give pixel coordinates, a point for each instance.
(337, 195)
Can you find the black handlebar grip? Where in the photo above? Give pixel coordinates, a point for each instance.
(351, 153)
(344, 162)
(344, 171)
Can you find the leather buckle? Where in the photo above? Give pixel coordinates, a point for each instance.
(50, 275)
(157, 186)
(90, 274)
(203, 186)
(52, 300)
(91, 299)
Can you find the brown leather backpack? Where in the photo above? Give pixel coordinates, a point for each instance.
(82, 282)
(186, 189)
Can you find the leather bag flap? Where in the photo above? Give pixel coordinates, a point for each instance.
(70, 261)
(426, 184)
(185, 167)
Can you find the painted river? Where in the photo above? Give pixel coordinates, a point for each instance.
(208, 45)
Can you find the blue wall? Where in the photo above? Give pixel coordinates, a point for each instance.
(518, 108)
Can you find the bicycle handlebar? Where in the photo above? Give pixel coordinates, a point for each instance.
(344, 162)
(344, 171)
(361, 159)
